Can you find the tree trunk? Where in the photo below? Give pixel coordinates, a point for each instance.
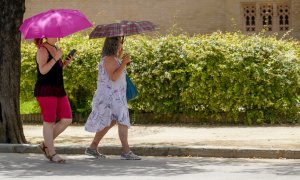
(11, 17)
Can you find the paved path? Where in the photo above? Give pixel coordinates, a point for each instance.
(33, 166)
(234, 142)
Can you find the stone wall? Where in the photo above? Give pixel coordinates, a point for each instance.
(234, 14)
(192, 16)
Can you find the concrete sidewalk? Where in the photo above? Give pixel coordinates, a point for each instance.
(235, 142)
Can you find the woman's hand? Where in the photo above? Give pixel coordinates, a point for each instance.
(58, 54)
(67, 61)
(126, 59)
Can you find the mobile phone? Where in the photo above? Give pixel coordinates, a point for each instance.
(71, 53)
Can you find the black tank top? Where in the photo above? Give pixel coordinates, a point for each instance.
(52, 83)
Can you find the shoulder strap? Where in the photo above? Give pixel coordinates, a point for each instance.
(50, 56)
(47, 50)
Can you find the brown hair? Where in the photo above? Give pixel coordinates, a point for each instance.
(110, 47)
(38, 42)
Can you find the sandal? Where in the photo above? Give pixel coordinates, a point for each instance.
(60, 160)
(43, 148)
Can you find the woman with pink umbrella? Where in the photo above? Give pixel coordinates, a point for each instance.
(46, 28)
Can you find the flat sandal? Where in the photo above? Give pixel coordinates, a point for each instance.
(60, 161)
(43, 148)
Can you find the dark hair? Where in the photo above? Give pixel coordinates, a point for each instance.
(110, 47)
(38, 42)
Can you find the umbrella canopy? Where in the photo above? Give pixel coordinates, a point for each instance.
(55, 23)
(124, 28)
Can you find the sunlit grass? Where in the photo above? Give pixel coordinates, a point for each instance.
(29, 107)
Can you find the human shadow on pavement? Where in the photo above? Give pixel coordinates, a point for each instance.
(31, 165)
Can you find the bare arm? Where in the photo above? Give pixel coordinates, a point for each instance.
(113, 69)
(42, 57)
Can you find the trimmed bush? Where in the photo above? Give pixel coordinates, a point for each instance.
(236, 77)
(220, 77)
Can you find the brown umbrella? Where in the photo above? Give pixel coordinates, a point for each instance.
(124, 28)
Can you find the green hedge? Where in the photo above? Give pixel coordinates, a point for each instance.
(222, 77)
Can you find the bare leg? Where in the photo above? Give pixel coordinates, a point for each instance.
(48, 137)
(50, 132)
(123, 135)
(99, 135)
(60, 127)
(56, 130)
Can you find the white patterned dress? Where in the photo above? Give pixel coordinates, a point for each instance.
(109, 102)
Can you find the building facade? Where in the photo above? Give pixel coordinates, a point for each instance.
(192, 16)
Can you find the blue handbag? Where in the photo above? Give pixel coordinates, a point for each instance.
(131, 91)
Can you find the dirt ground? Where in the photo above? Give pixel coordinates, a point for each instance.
(240, 137)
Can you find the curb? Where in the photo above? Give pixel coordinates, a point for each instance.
(165, 151)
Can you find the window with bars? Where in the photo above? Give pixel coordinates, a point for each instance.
(283, 12)
(266, 14)
(249, 17)
(269, 16)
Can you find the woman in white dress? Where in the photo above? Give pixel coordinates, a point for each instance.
(109, 102)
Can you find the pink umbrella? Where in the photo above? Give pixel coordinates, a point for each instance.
(55, 23)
